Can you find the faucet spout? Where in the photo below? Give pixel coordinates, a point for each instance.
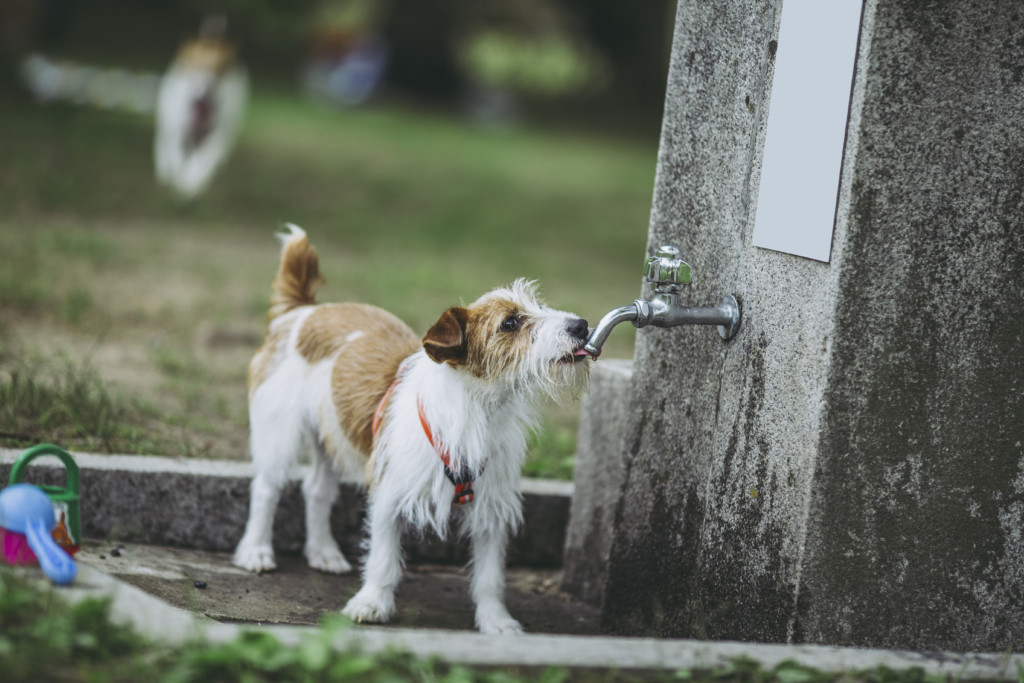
(610, 320)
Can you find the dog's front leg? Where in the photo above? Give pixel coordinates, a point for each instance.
(382, 568)
(488, 582)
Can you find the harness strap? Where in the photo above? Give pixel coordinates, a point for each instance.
(461, 479)
(378, 415)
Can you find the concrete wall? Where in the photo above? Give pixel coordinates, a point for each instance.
(849, 468)
(917, 533)
(204, 504)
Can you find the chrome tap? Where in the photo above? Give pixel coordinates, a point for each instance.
(668, 273)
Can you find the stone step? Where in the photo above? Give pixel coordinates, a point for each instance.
(203, 504)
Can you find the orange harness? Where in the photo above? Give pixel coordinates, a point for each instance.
(462, 478)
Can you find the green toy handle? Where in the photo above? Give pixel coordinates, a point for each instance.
(67, 495)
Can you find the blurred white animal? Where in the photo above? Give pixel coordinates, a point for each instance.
(200, 107)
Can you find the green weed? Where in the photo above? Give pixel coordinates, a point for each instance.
(64, 401)
(42, 638)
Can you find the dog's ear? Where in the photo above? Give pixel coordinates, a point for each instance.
(446, 340)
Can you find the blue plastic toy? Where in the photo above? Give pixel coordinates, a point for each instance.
(25, 509)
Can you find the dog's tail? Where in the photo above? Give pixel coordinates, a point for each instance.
(298, 278)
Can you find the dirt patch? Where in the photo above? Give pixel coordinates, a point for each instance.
(430, 596)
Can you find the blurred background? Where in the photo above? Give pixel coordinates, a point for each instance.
(432, 149)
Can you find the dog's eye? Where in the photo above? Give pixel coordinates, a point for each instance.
(510, 324)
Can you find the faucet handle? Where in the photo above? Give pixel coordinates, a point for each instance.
(666, 270)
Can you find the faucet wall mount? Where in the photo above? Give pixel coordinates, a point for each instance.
(668, 273)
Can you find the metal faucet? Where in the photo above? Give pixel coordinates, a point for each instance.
(668, 273)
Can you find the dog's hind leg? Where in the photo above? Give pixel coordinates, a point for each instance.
(488, 583)
(382, 568)
(276, 443)
(255, 551)
(320, 488)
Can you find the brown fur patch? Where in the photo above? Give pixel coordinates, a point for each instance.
(371, 344)
(268, 355)
(474, 339)
(210, 54)
(297, 278)
(330, 326)
(490, 350)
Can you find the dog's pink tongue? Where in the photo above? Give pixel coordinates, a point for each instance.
(583, 352)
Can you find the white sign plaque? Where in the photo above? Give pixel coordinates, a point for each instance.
(803, 148)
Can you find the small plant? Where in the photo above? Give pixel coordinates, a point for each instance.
(42, 638)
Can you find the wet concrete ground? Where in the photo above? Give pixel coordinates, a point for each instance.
(430, 596)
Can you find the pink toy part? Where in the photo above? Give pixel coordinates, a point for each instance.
(17, 551)
(15, 546)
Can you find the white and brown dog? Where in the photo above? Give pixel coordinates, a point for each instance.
(200, 106)
(437, 426)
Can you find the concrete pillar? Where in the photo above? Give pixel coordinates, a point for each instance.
(850, 468)
(597, 478)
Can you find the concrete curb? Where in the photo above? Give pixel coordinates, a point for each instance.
(204, 504)
(159, 621)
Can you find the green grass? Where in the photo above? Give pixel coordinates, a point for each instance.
(413, 212)
(552, 450)
(66, 402)
(42, 638)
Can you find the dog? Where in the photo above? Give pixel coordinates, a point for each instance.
(437, 426)
(200, 105)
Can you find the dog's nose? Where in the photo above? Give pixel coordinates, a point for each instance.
(579, 329)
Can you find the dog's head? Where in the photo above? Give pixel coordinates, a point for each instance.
(508, 336)
(210, 52)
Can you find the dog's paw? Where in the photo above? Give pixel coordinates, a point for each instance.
(255, 558)
(494, 619)
(370, 606)
(328, 560)
(507, 626)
